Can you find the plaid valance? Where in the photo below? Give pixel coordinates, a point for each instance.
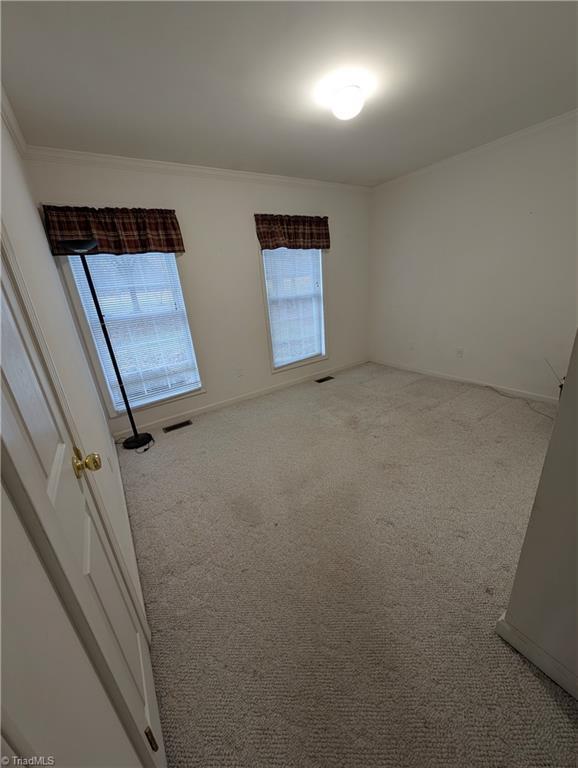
(292, 231)
(116, 230)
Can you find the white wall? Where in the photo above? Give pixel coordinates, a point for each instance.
(25, 233)
(220, 271)
(479, 253)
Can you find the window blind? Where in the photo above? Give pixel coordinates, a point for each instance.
(144, 310)
(294, 286)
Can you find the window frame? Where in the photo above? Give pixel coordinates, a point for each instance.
(85, 334)
(307, 360)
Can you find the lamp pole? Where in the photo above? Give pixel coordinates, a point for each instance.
(81, 248)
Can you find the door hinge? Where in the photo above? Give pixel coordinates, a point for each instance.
(151, 739)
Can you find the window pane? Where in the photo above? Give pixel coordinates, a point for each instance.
(143, 306)
(295, 298)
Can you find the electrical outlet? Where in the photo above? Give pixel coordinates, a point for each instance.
(459, 352)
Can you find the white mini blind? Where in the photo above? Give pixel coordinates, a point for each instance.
(294, 285)
(144, 310)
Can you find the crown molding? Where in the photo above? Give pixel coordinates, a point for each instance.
(536, 128)
(11, 123)
(36, 155)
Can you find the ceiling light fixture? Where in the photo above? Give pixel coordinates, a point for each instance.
(345, 91)
(347, 102)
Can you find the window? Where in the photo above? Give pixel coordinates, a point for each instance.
(145, 314)
(294, 286)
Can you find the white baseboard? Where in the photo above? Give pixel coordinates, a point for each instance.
(548, 664)
(436, 374)
(189, 412)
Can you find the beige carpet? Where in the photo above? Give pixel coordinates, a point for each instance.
(323, 568)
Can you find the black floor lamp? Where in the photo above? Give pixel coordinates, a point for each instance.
(81, 248)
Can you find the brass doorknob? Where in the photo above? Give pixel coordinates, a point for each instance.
(92, 462)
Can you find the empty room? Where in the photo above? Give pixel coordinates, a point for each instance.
(289, 315)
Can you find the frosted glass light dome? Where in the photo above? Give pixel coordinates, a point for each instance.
(347, 102)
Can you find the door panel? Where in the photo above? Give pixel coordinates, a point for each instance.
(64, 516)
(52, 701)
(98, 571)
(23, 382)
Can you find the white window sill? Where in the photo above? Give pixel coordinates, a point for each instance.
(300, 363)
(161, 401)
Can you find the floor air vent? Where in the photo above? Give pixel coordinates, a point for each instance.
(324, 379)
(180, 425)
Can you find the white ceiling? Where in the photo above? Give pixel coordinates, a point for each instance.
(229, 85)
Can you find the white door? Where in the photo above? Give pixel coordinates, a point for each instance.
(69, 530)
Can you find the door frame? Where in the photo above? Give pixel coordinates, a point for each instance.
(15, 482)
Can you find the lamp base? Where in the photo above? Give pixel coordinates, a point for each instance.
(137, 441)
